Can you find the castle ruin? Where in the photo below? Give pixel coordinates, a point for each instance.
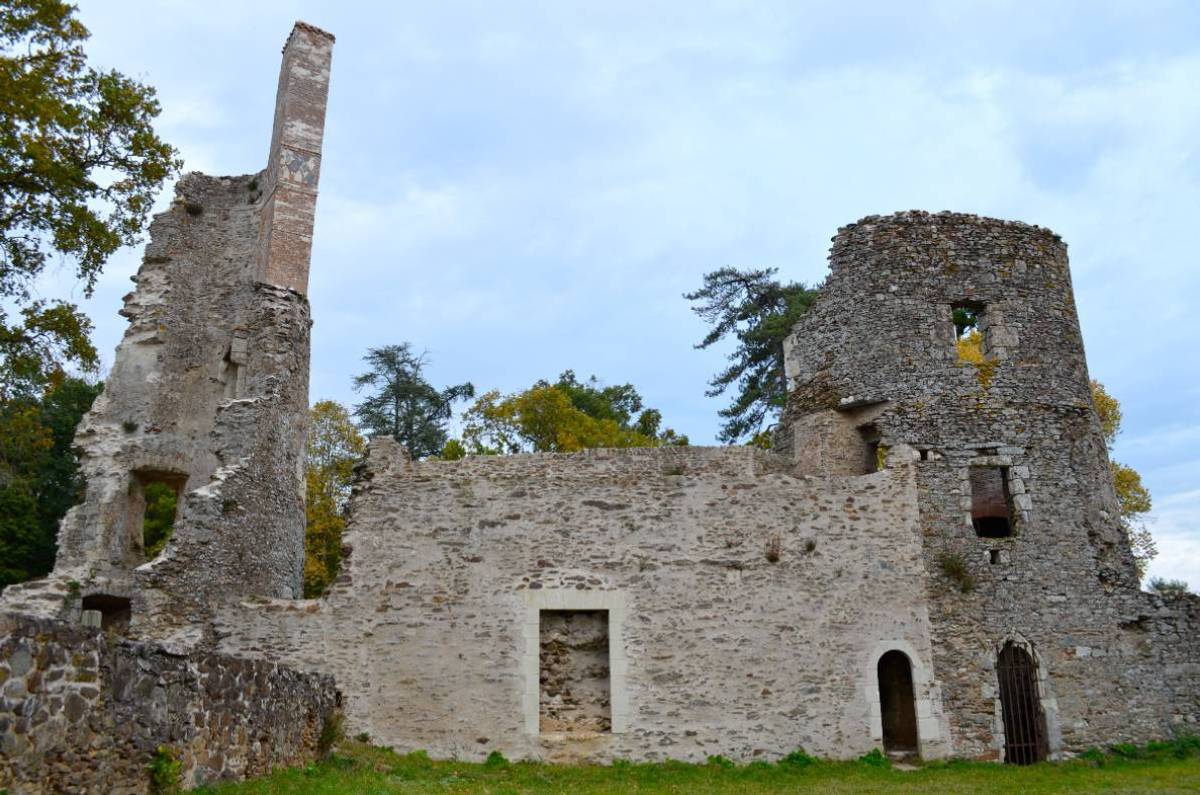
(929, 562)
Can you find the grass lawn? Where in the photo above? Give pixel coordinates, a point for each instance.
(364, 770)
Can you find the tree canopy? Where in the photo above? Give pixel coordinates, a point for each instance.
(562, 417)
(758, 311)
(80, 164)
(400, 403)
(39, 475)
(334, 446)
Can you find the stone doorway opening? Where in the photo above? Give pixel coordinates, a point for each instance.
(573, 672)
(1021, 707)
(897, 704)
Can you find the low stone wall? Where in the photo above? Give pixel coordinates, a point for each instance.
(81, 711)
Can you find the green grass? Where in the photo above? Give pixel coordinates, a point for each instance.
(364, 770)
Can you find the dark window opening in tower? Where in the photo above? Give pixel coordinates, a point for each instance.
(991, 513)
(872, 454)
(968, 322)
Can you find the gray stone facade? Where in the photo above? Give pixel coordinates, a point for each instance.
(929, 561)
(875, 357)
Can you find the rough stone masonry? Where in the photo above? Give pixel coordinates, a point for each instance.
(929, 561)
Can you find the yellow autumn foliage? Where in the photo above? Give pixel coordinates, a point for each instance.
(541, 419)
(334, 446)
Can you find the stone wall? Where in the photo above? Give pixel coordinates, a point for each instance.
(83, 711)
(878, 349)
(435, 627)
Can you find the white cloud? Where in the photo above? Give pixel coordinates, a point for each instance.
(1176, 529)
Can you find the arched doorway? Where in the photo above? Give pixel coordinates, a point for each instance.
(897, 705)
(1021, 708)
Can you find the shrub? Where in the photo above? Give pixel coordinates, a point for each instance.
(1186, 745)
(955, 569)
(774, 548)
(362, 737)
(1164, 587)
(721, 762)
(165, 771)
(1127, 751)
(875, 758)
(333, 731)
(797, 759)
(495, 759)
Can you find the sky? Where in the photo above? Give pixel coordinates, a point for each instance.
(523, 188)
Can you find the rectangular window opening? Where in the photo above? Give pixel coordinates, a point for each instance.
(991, 512)
(153, 505)
(573, 672)
(115, 611)
(969, 327)
(873, 456)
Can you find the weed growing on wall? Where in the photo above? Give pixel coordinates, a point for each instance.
(165, 770)
(954, 568)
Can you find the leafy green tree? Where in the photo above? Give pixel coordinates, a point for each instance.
(564, 416)
(158, 521)
(39, 475)
(400, 403)
(334, 446)
(758, 311)
(80, 164)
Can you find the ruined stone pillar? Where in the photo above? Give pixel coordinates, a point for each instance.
(208, 393)
(294, 162)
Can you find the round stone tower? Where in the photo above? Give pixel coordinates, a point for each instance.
(1017, 507)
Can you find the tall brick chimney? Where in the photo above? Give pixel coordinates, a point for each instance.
(294, 164)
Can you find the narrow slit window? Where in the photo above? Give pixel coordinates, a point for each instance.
(872, 454)
(991, 512)
(233, 372)
(573, 672)
(968, 320)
